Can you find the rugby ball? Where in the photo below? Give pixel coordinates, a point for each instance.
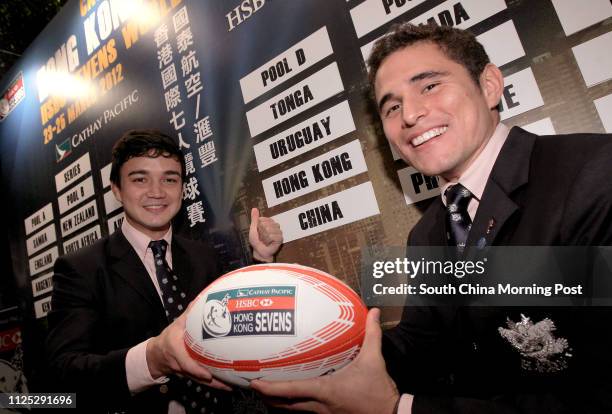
(275, 322)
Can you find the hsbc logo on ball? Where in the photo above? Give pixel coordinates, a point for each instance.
(262, 310)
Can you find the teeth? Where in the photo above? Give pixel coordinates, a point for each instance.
(426, 136)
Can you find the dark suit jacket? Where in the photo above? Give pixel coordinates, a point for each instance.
(550, 190)
(104, 302)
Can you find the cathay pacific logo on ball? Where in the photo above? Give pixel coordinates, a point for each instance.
(257, 310)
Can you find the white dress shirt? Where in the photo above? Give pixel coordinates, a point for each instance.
(136, 368)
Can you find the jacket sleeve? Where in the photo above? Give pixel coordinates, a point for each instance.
(74, 325)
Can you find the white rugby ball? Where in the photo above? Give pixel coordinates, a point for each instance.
(275, 322)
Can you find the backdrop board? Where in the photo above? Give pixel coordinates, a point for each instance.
(268, 99)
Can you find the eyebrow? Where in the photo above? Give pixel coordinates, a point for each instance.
(416, 78)
(145, 172)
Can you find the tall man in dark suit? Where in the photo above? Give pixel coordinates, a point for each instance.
(116, 328)
(437, 96)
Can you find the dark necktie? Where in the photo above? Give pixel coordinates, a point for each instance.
(457, 218)
(195, 398)
(172, 295)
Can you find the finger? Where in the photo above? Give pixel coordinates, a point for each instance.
(196, 371)
(212, 383)
(269, 222)
(191, 367)
(309, 389)
(308, 406)
(269, 231)
(220, 385)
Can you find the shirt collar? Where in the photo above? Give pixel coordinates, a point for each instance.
(476, 176)
(140, 241)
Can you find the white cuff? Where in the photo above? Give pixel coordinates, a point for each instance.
(137, 370)
(405, 404)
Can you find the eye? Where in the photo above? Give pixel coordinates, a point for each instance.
(391, 110)
(171, 180)
(429, 87)
(138, 180)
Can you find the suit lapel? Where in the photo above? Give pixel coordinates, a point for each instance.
(126, 264)
(510, 172)
(437, 232)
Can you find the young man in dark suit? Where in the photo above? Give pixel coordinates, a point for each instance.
(437, 95)
(116, 328)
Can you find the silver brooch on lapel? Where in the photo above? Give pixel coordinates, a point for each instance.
(539, 349)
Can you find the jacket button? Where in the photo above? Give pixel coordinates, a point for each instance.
(163, 389)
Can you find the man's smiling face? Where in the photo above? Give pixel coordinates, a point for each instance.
(151, 193)
(432, 111)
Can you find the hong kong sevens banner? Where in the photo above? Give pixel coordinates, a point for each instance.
(267, 100)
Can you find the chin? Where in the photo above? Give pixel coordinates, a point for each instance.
(426, 170)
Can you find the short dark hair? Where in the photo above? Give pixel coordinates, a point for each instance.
(458, 45)
(144, 143)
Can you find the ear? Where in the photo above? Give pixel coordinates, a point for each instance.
(492, 84)
(117, 192)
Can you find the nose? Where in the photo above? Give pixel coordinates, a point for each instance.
(413, 110)
(156, 190)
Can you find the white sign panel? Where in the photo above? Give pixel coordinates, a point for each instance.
(604, 109)
(416, 186)
(43, 261)
(41, 240)
(575, 15)
(285, 105)
(333, 166)
(461, 14)
(502, 43)
(505, 34)
(285, 66)
(81, 240)
(110, 202)
(521, 94)
(342, 208)
(594, 59)
(42, 284)
(541, 127)
(76, 195)
(301, 138)
(79, 218)
(42, 307)
(115, 223)
(371, 14)
(73, 172)
(105, 175)
(39, 219)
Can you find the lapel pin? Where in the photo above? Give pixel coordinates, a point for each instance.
(490, 226)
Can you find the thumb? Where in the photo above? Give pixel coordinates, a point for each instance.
(254, 218)
(373, 333)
